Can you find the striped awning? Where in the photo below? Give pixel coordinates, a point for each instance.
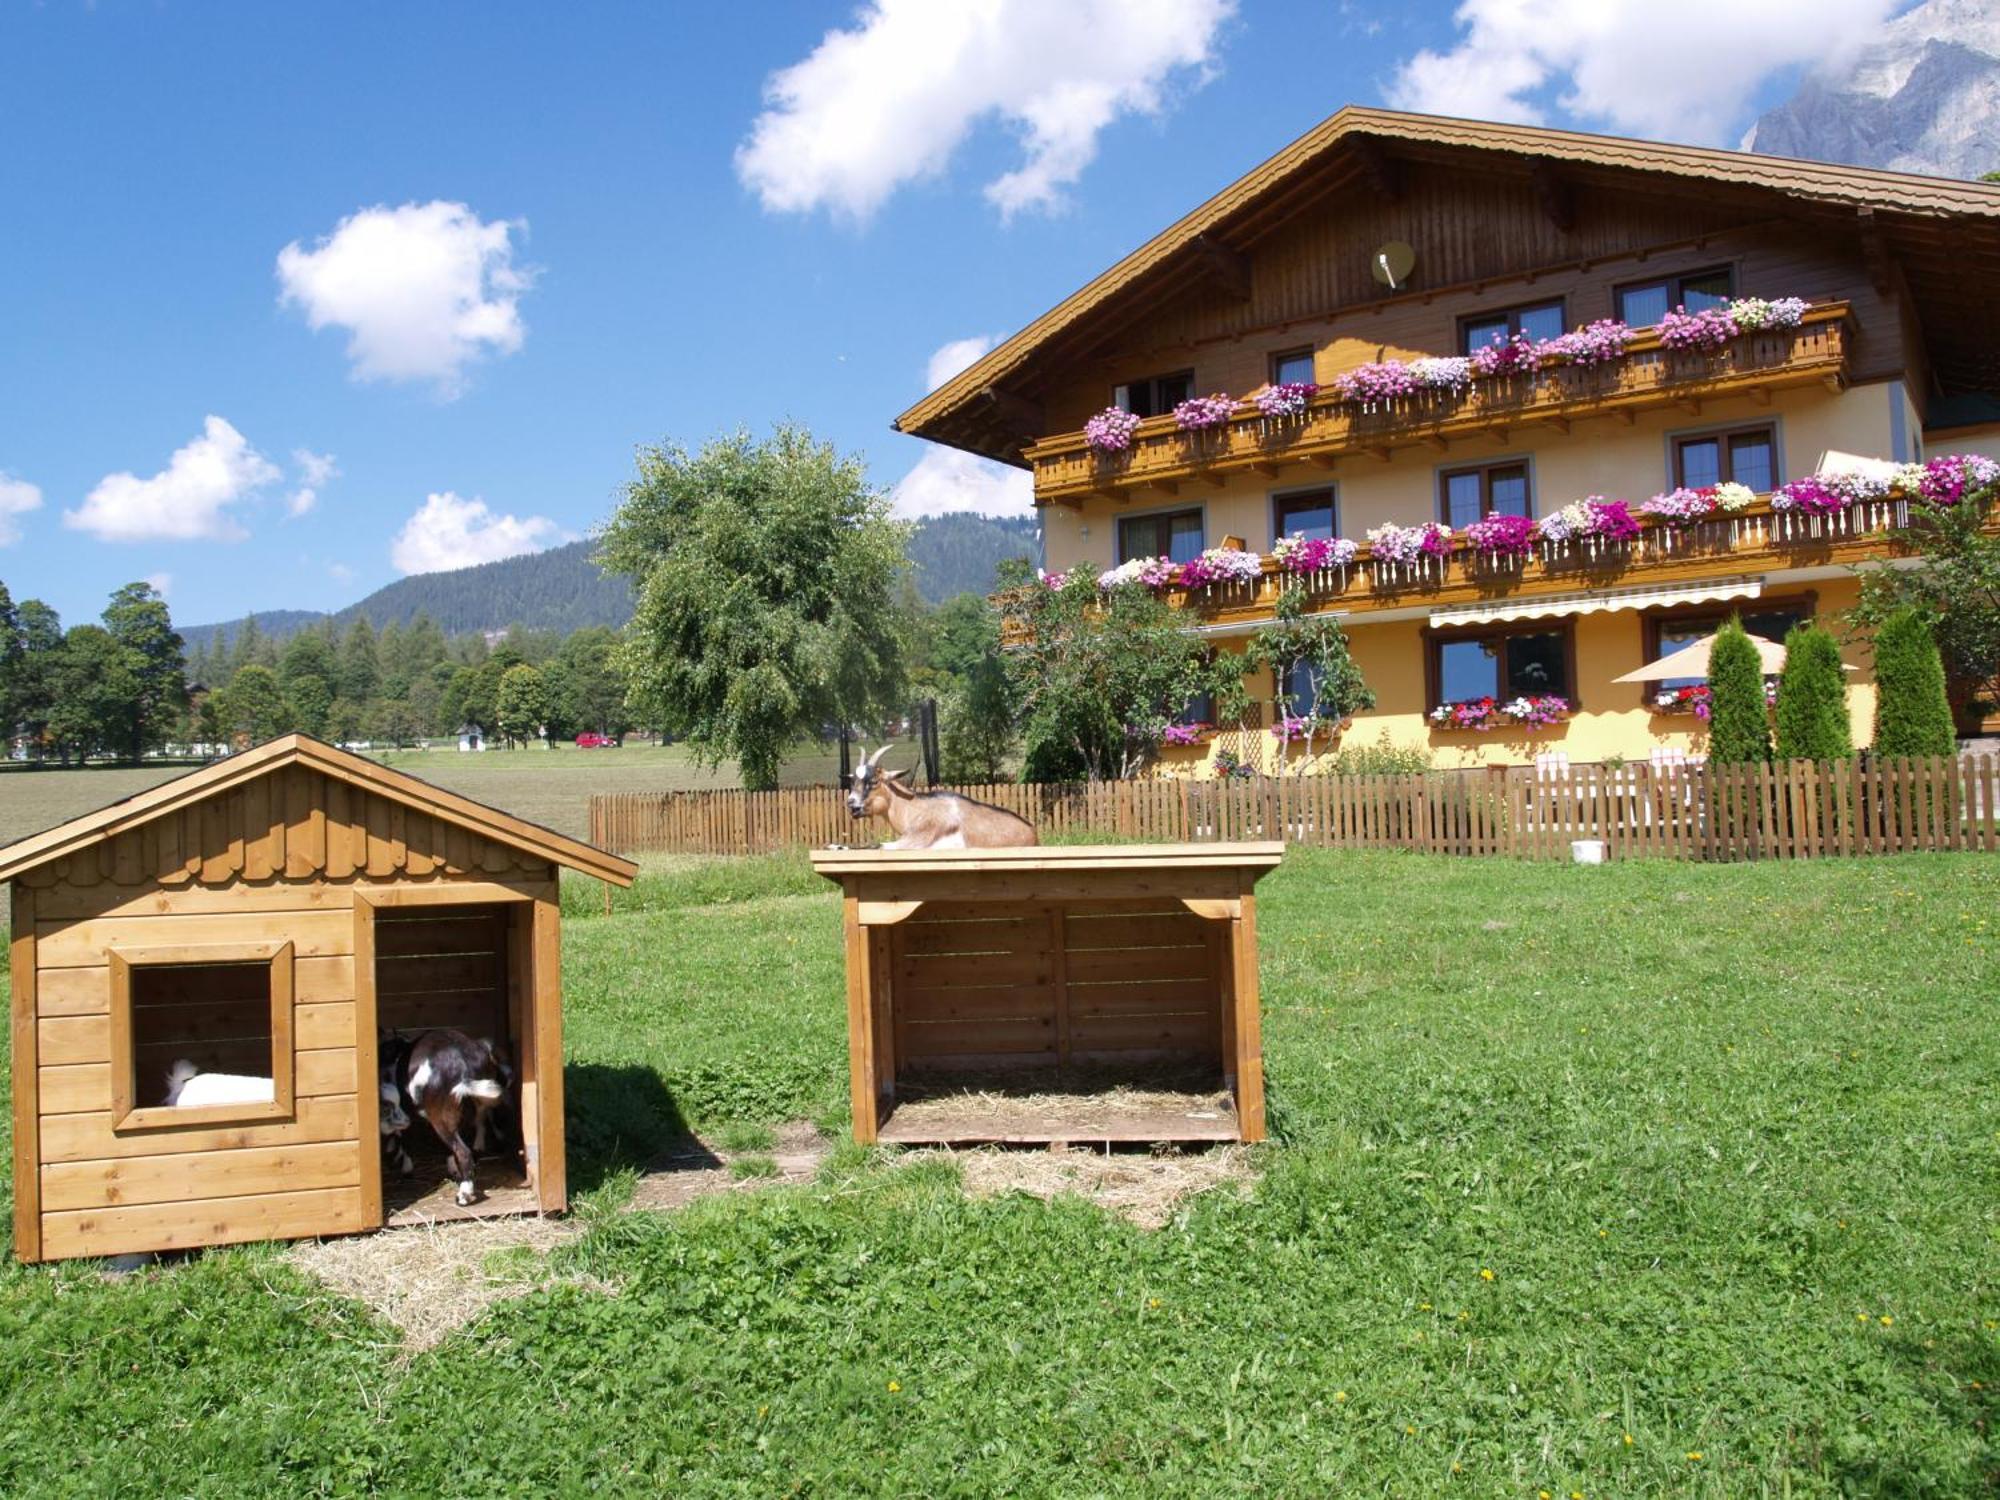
(1554, 606)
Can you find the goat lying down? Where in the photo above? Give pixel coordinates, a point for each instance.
(932, 820)
(443, 1075)
(190, 1088)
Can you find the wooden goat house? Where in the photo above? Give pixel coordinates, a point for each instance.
(263, 916)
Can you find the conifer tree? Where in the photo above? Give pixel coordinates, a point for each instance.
(1912, 713)
(1739, 730)
(1812, 698)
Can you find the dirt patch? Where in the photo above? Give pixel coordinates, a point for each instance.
(430, 1280)
(1147, 1188)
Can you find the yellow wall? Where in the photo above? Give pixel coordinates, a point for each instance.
(1612, 721)
(1600, 457)
(1981, 440)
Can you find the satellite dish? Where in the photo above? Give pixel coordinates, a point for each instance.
(1392, 263)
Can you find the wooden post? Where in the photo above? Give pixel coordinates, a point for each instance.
(1249, 1018)
(27, 1093)
(545, 999)
(860, 1024)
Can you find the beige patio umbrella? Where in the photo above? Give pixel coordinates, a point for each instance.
(1692, 661)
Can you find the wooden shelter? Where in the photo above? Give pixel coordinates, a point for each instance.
(1060, 974)
(263, 916)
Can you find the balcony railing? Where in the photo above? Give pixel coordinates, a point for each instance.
(1067, 469)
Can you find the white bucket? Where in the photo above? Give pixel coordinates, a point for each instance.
(1587, 851)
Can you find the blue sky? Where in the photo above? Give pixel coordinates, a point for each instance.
(576, 252)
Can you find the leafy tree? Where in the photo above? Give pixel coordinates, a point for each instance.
(522, 706)
(978, 707)
(12, 651)
(93, 687)
(1739, 730)
(36, 684)
(345, 719)
(767, 576)
(427, 699)
(308, 673)
(585, 690)
(1954, 582)
(1100, 678)
(360, 666)
(394, 722)
(1812, 698)
(1912, 714)
(1297, 643)
(137, 619)
(254, 705)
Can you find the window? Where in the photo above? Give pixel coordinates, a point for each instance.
(1300, 689)
(223, 1009)
(1155, 394)
(1666, 634)
(1644, 303)
(1200, 709)
(1501, 664)
(1175, 535)
(1746, 456)
(1294, 365)
(1465, 495)
(1540, 320)
(1307, 513)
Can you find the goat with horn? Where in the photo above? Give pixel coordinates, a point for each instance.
(931, 820)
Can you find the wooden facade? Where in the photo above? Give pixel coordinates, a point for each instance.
(1056, 964)
(266, 915)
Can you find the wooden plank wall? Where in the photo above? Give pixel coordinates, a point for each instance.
(278, 859)
(1793, 810)
(986, 984)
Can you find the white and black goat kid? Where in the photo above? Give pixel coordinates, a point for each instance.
(931, 820)
(444, 1075)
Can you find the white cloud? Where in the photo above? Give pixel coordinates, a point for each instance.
(160, 583)
(954, 357)
(186, 501)
(1625, 65)
(423, 290)
(948, 479)
(314, 470)
(340, 572)
(450, 532)
(890, 100)
(17, 498)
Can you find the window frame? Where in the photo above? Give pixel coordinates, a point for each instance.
(1485, 471)
(1512, 313)
(1165, 513)
(1280, 497)
(126, 1113)
(1436, 640)
(1676, 284)
(1306, 352)
(1720, 436)
(1654, 622)
(1152, 382)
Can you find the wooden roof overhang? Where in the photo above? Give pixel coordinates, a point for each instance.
(1940, 235)
(302, 750)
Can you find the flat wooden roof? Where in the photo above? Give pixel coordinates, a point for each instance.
(1262, 855)
(301, 749)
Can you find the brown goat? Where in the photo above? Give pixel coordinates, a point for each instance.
(932, 820)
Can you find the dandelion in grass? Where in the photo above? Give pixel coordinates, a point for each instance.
(895, 1386)
(1408, 1430)
(1628, 1439)
(1694, 1455)
(1152, 1302)
(1485, 1275)
(1340, 1395)
(1887, 1321)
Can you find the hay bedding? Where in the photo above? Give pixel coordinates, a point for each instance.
(1146, 1187)
(1001, 1104)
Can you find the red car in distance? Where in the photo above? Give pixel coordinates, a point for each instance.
(590, 741)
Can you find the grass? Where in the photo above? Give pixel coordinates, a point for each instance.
(1584, 1172)
(550, 787)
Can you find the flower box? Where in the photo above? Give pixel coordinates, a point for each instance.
(1483, 715)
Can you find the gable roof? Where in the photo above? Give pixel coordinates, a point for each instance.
(315, 755)
(1939, 228)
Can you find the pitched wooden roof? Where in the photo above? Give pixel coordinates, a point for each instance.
(303, 750)
(1943, 231)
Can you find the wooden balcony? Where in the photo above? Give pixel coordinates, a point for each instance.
(1162, 458)
(1755, 540)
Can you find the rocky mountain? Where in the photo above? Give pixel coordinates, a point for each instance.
(561, 589)
(1924, 98)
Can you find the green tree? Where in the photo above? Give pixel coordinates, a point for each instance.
(427, 699)
(1812, 698)
(251, 647)
(254, 705)
(360, 666)
(1739, 729)
(1297, 645)
(522, 707)
(1954, 582)
(767, 575)
(12, 652)
(35, 685)
(1101, 676)
(585, 688)
(308, 673)
(978, 702)
(92, 690)
(137, 619)
(393, 722)
(1912, 713)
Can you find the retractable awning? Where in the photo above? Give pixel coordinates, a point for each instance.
(1555, 606)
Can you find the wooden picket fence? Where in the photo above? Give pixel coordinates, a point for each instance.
(1794, 810)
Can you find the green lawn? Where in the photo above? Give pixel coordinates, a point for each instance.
(1584, 1173)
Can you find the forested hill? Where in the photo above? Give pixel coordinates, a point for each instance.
(958, 553)
(562, 589)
